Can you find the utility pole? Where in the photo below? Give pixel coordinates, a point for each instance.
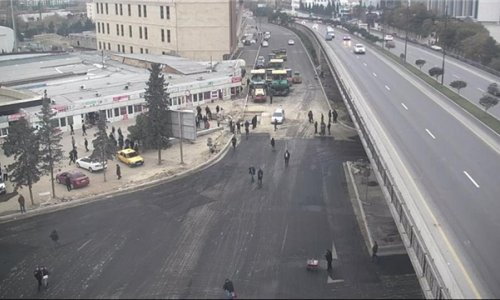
(13, 25)
(444, 46)
(406, 30)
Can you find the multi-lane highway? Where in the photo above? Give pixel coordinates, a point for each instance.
(477, 80)
(453, 161)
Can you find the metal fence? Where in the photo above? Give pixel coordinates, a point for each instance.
(426, 268)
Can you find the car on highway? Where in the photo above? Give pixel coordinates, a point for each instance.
(278, 116)
(90, 164)
(291, 42)
(265, 44)
(388, 37)
(436, 48)
(315, 26)
(252, 41)
(130, 157)
(359, 49)
(77, 178)
(346, 38)
(493, 89)
(303, 22)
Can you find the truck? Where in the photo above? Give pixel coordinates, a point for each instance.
(279, 84)
(330, 34)
(276, 64)
(280, 53)
(257, 77)
(259, 92)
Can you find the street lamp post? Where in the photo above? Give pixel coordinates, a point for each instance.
(406, 29)
(444, 48)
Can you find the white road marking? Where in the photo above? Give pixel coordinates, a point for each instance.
(471, 179)
(430, 133)
(480, 89)
(58, 70)
(374, 74)
(404, 106)
(365, 64)
(388, 88)
(84, 244)
(456, 76)
(334, 251)
(330, 280)
(284, 239)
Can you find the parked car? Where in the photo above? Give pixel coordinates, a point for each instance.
(130, 157)
(359, 49)
(436, 47)
(77, 178)
(291, 42)
(278, 116)
(90, 164)
(265, 44)
(346, 38)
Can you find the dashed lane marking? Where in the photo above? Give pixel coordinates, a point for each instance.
(471, 179)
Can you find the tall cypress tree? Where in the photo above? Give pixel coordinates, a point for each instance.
(22, 143)
(104, 146)
(157, 98)
(50, 141)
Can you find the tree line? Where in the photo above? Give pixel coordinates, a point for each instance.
(37, 151)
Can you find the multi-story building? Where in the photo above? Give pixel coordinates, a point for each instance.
(194, 29)
(90, 10)
(480, 10)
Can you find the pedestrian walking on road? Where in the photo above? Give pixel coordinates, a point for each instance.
(275, 125)
(118, 172)
(374, 251)
(329, 125)
(271, 99)
(329, 259)
(233, 140)
(75, 155)
(21, 204)
(254, 122)
(54, 236)
(310, 115)
(260, 175)
(287, 157)
(38, 275)
(238, 127)
(73, 143)
(71, 159)
(322, 118)
(315, 127)
(86, 143)
(84, 130)
(272, 143)
(335, 115)
(251, 171)
(71, 131)
(329, 116)
(68, 183)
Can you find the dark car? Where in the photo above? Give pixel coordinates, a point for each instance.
(77, 178)
(494, 89)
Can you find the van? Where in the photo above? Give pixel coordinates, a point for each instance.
(278, 116)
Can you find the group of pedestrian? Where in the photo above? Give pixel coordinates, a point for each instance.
(206, 118)
(332, 116)
(235, 127)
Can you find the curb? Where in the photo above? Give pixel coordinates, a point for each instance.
(73, 203)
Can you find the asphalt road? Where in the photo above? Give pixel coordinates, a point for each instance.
(183, 238)
(477, 80)
(454, 167)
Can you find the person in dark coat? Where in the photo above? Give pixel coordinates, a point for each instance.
(217, 109)
(310, 115)
(238, 127)
(260, 175)
(272, 143)
(329, 125)
(287, 158)
(118, 172)
(254, 122)
(86, 143)
(38, 275)
(54, 236)
(71, 158)
(21, 203)
(271, 99)
(71, 131)
(68, 183)
(335, 115)
(374, 251)
(229, 289)
(251, 171)
(233, 141)
(120, 141)
(84, 130)
(315, 127)
(329, 116)
(329, 258)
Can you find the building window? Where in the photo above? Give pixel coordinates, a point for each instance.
(140, 32)
(117, 29)
(161, 12)
(129, 10)
(107, 25)
(145, 12)
(139, 10)
(102, 10)
(110, 113)
(123, 110)
(147, 51)
(206, 95)
(123, 48)
(131, 49)
(109, 46)
(63, 122)
(138, 108)
(106, 8)
(98, 27)
(162, 35)
(118, 46)
(130, 30)
(122, 29)
(100, 46)
(195, 97)
(145, 33)
(97, 7)
(130, 109)
(142, 51)
(117, 112)
(168, 35)
(116, 9)
(121, 9)
(168, 12)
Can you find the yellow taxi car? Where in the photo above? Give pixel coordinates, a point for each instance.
(130, 157)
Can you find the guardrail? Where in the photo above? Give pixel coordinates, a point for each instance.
(429, 276)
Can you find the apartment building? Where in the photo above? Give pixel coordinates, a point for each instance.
(194, 29)
(480, 10)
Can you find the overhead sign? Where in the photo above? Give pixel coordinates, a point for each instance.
(182, 123)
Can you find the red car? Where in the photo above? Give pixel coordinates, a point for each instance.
(77, 178)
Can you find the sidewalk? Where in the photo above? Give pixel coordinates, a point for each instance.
(374, 217)
(196, 155)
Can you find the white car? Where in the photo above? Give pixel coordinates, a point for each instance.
(315, 26)
(252, 42)
(278, 116)
(359, 49)
(388, 37)
(265, 44)
(303, 22)
(291, 42)
(436, 47)
(89, 164)
(3, 190)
